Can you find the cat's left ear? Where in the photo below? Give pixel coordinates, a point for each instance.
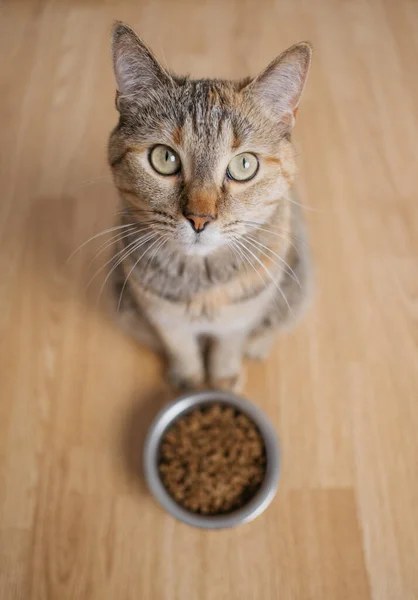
(138, 73)
(279, 87)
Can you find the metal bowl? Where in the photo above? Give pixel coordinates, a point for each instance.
(258, 503)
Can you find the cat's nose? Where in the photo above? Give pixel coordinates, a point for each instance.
(199, 222)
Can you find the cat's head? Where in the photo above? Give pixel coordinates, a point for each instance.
(201, 160)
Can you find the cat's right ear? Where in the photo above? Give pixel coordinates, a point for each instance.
(137, 71)
(279, 87)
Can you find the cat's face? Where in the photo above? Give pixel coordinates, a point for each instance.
(202, 162)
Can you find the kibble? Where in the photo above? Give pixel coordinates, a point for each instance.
(212, 460)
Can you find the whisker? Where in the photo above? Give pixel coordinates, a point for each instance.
(237, 251)
(285, 235)
(269, 227)
(164, 240)
(250, 262)
(166, 224)
(268, 273)
(306, 207)
(96, 236)
(151, 211)
(256, 244)
(235, 256)
(132, 268)
(247, 260)
(114, 240)
(121, 260)
(127, 249)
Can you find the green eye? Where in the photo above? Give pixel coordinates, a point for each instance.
(164, 160)
(242, 167)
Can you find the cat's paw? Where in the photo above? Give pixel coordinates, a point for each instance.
(181, 380)
(232, 383)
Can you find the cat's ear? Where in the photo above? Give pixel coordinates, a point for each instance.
(136, 68)
(279, 87)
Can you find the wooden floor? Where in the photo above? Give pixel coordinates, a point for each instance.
(76, 397)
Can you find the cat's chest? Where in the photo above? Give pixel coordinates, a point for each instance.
(215, 312)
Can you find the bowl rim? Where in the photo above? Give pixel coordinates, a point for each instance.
(174, 410)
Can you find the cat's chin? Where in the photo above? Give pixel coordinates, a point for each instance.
(199, 249)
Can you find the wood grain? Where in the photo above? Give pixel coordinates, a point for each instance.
(76, 521)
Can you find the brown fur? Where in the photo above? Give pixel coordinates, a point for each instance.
(202, 203)
(246, 273)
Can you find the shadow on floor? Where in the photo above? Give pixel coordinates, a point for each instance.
(55, 227)
(137, 422)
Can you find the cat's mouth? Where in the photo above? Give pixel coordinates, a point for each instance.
(199, 243)
(201, 247)
(197, 239)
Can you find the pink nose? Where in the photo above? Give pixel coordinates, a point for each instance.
(199, 222)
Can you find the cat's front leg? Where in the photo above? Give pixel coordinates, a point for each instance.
(225, 362)
(259, 343)
(184, 356)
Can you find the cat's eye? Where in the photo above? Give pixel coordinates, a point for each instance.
(242, 167)
(164, 160)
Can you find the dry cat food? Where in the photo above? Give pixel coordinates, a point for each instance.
(212, 460)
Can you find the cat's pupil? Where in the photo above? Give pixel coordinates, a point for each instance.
(245, 163)
(169, 157)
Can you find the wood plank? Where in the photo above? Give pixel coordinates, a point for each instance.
(76, 396)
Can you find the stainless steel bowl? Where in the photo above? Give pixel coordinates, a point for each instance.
(262, 498)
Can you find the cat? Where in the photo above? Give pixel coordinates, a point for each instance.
(212, 256)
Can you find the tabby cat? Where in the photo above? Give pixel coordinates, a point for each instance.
(211, 255)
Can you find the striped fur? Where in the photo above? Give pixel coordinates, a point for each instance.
(228, 289)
